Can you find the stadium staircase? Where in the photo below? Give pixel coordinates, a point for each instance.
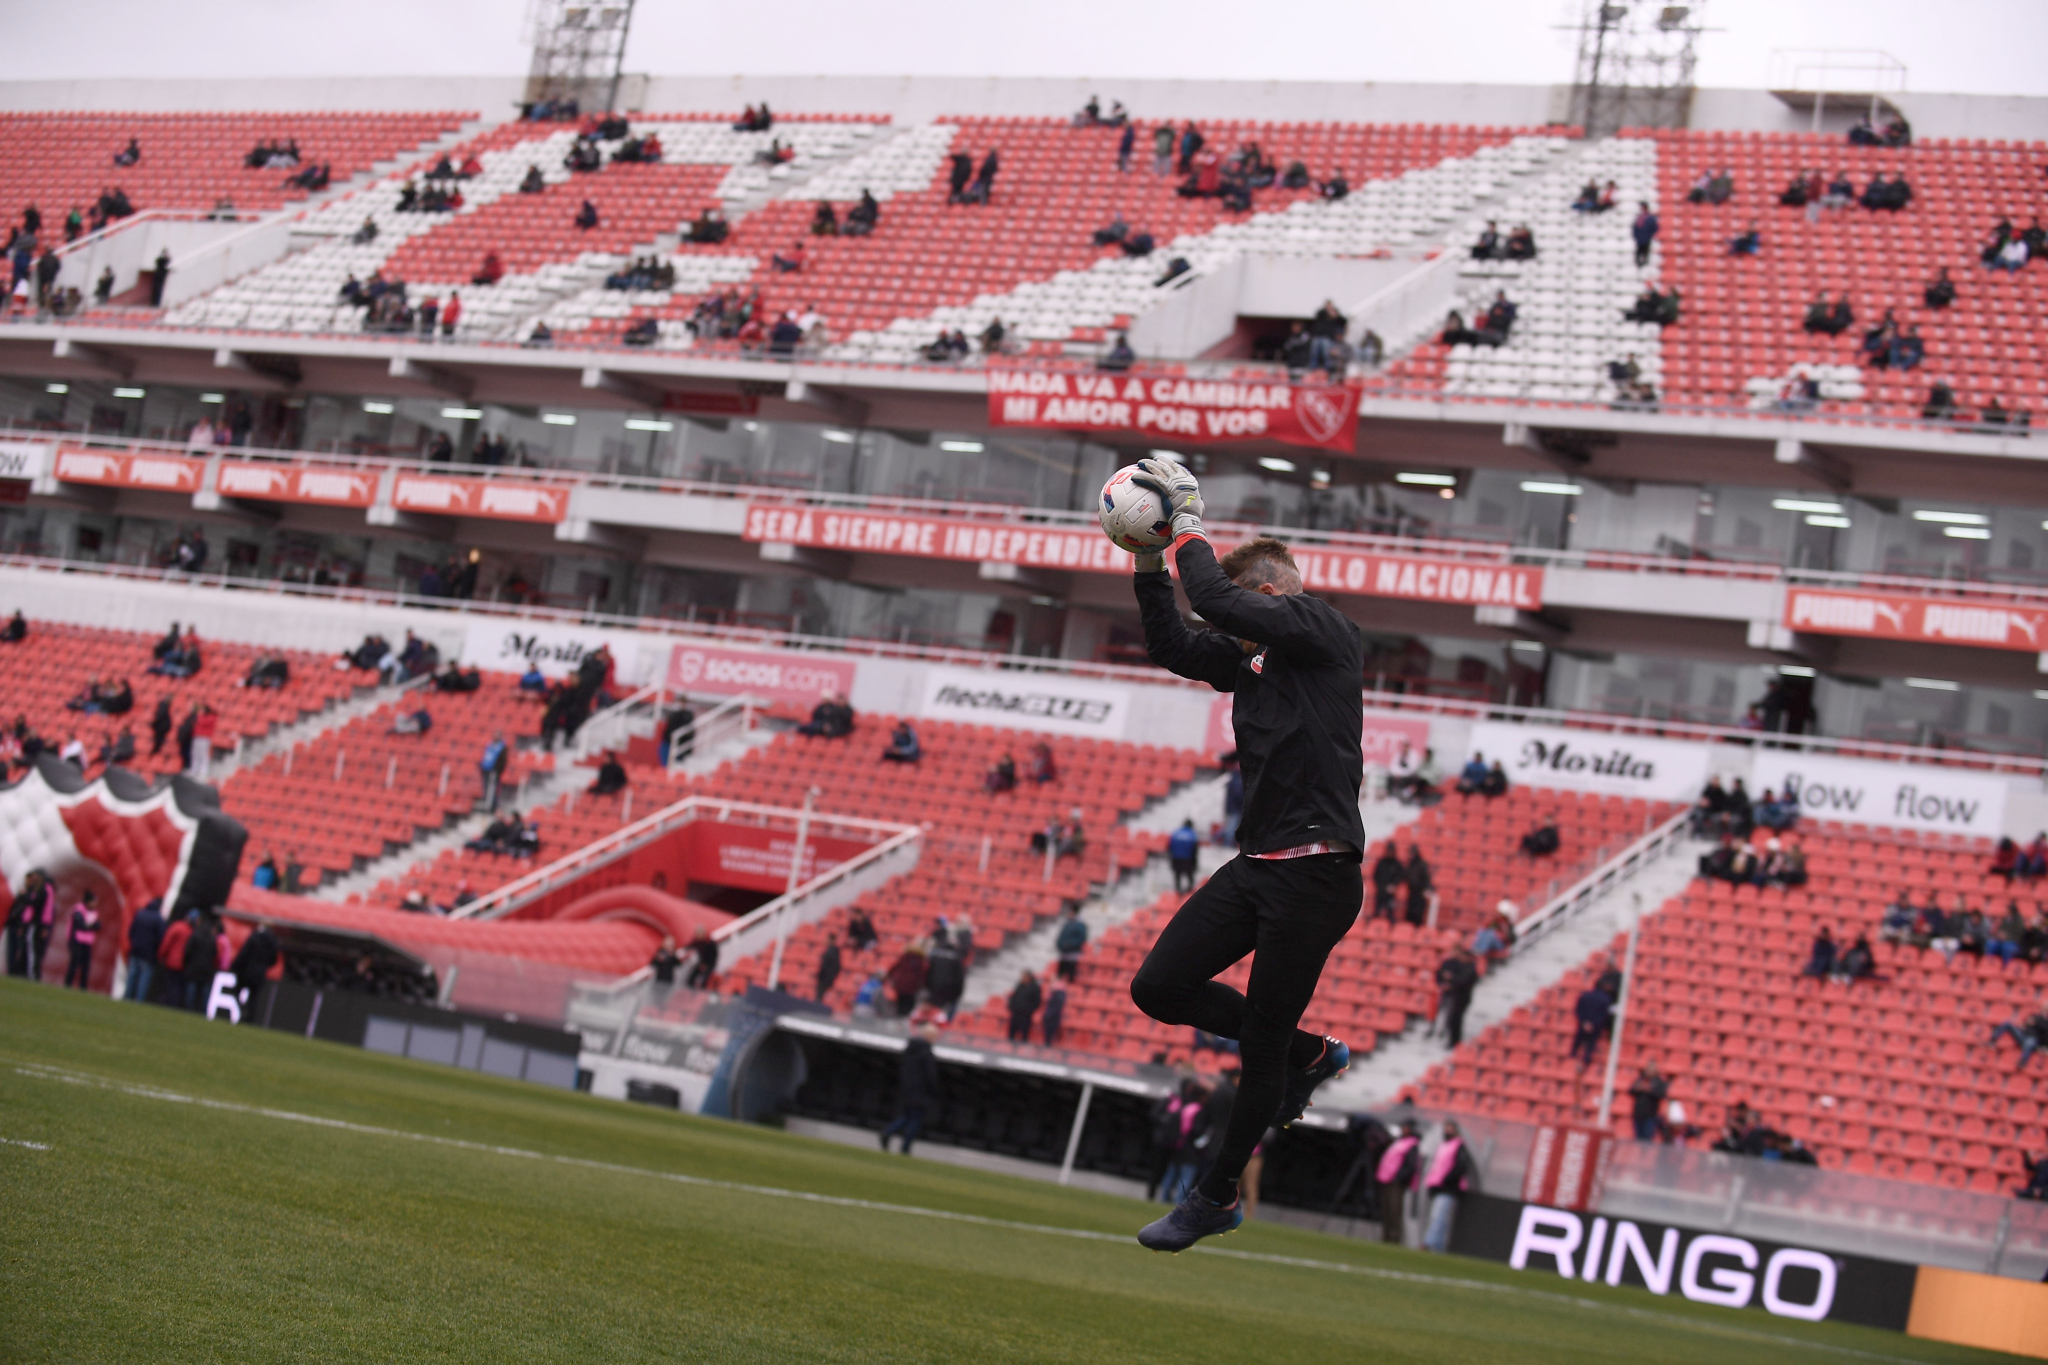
(1585, 931)
(1891, 1077)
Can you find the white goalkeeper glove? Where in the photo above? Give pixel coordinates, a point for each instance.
(1178, 489)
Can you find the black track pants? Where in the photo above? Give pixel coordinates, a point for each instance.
(1288, 914)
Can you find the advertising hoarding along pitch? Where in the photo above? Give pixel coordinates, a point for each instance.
(1590, 761)
(1165, 407)
(1324, 569)
(1897, 795)
(1930, 620)
(1051, 702)
(773, 676)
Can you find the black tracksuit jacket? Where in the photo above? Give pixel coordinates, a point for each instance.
(1296, 708)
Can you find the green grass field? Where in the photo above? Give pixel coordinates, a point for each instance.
(202, 1192)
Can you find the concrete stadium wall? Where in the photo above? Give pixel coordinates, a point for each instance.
(916, 99)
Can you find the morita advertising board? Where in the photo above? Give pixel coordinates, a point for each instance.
(1898, 795)
(1590, 761)
(1026, 701)
(1705, 1267)
(511, 646)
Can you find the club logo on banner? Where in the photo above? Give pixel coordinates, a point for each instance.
(1590, 761)
(799, 678)
(1026, 701)
(1323, 416)
(511, 646)
(1898, 795)
(1887, 616)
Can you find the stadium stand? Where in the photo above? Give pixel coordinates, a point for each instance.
(192, 161)
(944, 791)
(55, 664)
(377, 790)
(1890, 1075)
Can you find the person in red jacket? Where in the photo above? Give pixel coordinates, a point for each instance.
(491, 271)
(204, 726)
(170, 959)
(85, 932)
(451, 313)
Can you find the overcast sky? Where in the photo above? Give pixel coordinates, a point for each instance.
(1975, 46)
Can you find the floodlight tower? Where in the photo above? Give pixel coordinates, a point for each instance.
(1635, 66)
(579, 50)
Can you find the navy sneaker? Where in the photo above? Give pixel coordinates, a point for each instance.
(1336, 1059)
(1192, 1219)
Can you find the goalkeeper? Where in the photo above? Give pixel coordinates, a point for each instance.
(1294, 665)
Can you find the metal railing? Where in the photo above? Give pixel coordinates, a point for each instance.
(1652, 847)
(602, 852)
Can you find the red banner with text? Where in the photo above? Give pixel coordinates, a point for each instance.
(500, 499)
(1927, 620)
(1323, 569)
(1168, 408)
(329, 486)
(161, 473)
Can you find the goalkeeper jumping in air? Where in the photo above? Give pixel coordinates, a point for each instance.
(1294, 665)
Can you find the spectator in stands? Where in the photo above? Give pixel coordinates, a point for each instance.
(611, 776)
(1820, 958)
(1941, 403)
(1125, 146)
(984, 186)
(962, 171)
(1488, 247)
(491, 271)
(1594, 1013)
(2037, 1178)
(1421, 885)
(534, 182)
(1907, 349)
(1857, 962)
(790, 260)
(906, 977)
(1389, 875)
(1777, 813)
(1646, 1101)
(1891, 195)
(1749, 243)
(586, 217)
(1336, 188)
(1644, 231)
(160, 726)
(945, 974)
(1589, 197)
(1113, 231)
(1001, 776)
(418, 722)
(1544, 840)
(1070, 942)
(1472, 777)
(1183, 848)
(1119, 356)
(365, 234)
(860, 930)
(1456, 975)
(1052, 1021)
(831, 718)
(129, 155)
(497, 756)
(1941, 291)
(2031, 1033)
(1521, 244)
(1190, 143)
(704, 961)
(16, 629)
(1175, 268)
(2012, 256)
(1326, 330)
(862, 218)
(1025, 998)
(903, 745)
(2033, 860)
(993, 337)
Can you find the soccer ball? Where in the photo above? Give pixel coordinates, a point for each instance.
(1132, 515)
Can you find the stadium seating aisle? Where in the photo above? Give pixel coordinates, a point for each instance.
(1029, 256)
(191, 161)
(1890, 1077)
(353, 793)
(56, 662)
(1570, 299)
